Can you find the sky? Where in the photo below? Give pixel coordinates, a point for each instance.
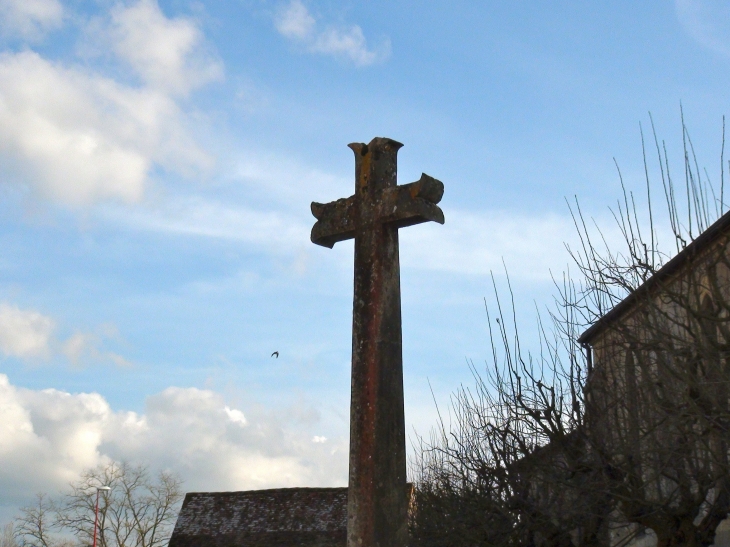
(157, 163)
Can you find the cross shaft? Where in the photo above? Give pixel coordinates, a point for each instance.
(377, 498)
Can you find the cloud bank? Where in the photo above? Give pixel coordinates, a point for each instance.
(73, 135)
(29, 19)
(31, 336)
(48, 437)
(167, 54)
(295, 23)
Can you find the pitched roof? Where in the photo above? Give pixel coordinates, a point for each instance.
(284, 517)
(721, 226)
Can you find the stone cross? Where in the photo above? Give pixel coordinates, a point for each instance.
(377, 506)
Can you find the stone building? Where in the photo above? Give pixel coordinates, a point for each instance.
(657, 396)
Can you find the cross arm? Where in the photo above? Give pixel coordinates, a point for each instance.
(335, 221)
(405, 205)
(413, 203)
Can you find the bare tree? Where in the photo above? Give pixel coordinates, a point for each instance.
(512, 467)
(33, 528)
(558, 445)
(7, 536)
(139, 510)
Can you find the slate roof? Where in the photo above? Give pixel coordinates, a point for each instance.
(284, 517)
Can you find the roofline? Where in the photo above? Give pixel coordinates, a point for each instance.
(271, 490)
(690, 251)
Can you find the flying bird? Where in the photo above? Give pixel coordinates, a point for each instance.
(275, 353)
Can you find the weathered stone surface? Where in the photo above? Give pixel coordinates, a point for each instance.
(377, 502)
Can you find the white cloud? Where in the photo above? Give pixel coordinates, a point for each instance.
(274, 212)
(26, 334)
(30, 19)
(194, 216)
(75, 136)
(47, 437)
(477, 243)
(532, 246)
(707, 21)
(470, 243)
(84, 348)
(270, 209)
(236, 416)
(166, 53)
(349, 43)
(294, 22)
(31, 336)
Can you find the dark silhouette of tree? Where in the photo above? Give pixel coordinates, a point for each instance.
(626, 424)
(513, 466)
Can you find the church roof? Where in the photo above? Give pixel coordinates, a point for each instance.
(284, 517)
(695, 248)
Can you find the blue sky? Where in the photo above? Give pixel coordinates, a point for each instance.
(158, 159)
